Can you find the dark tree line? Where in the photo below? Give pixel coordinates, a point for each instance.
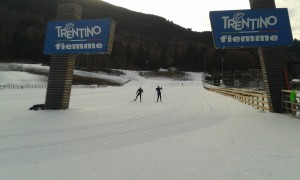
(184, 56)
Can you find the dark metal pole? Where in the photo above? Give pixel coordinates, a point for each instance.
(222, 70)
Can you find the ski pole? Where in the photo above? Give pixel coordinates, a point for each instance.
(134, 98)
(165, 95)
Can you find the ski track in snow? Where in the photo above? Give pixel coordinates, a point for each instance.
(142, 126)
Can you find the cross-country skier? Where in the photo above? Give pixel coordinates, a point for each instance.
(139, 93)
(158, 89)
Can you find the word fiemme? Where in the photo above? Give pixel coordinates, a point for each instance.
(248, 38)
(64, 46)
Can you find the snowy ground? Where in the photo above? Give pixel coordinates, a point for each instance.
(194, 134)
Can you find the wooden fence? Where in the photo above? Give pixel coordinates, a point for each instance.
(288, 107)
(257, 99)
(17, 86)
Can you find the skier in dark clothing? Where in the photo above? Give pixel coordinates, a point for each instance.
(158, 89)
(139, 93)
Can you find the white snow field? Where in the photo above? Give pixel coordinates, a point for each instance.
(194, 134)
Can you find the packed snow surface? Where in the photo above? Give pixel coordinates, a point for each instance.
(193, 134)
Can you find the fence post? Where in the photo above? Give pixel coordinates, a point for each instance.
(263, 104)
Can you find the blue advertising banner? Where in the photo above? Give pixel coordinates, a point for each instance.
(251, 28)
(79, 36)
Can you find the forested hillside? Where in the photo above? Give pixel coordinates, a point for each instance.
(142, 41)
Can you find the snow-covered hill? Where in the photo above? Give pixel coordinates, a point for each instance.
(192, 134)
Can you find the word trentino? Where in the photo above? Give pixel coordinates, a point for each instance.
(70, 32)
(239, 23)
